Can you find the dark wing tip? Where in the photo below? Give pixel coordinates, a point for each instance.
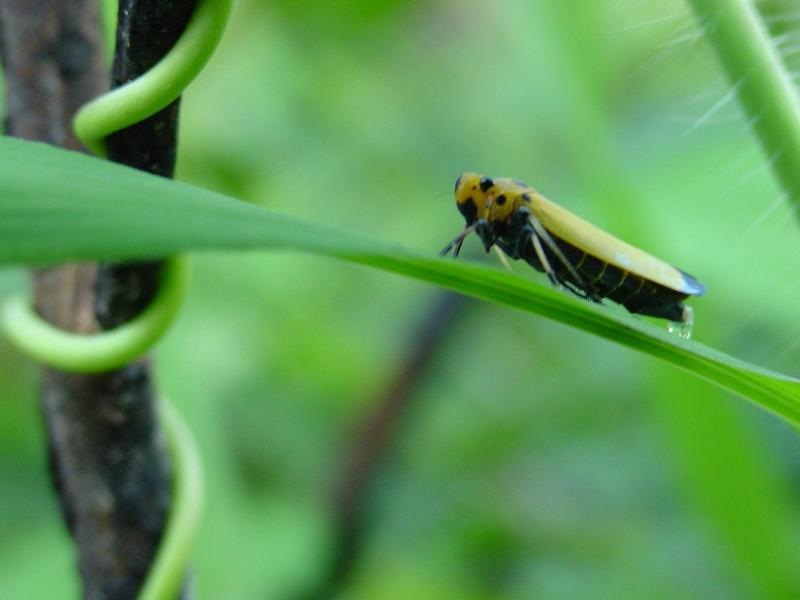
(692, 287)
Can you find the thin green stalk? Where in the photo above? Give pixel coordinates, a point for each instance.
(766, 92)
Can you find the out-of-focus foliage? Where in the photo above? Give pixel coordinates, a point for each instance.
(536, 460)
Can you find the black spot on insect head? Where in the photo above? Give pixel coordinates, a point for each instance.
(469, 209)
(501, 199)
(486, 184)
(458, 180)
(526, 197)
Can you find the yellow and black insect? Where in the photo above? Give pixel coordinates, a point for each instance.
(572, 252)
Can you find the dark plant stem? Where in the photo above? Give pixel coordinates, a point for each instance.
(106, 451)
(146, 30)
(374, 437)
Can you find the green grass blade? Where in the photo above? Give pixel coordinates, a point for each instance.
(764, 86)
(57, 206)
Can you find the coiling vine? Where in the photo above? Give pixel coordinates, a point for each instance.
(105, 351)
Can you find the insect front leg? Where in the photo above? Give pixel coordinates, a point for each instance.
(457, 242)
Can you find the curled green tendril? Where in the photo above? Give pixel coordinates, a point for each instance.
(167, 572)
(103, 351)
(117, 110)
(148, 94)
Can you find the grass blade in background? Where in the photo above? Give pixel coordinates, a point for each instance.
(57, 206)
(764, 87)
(747, 509)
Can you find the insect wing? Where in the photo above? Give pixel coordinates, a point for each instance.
(600, 244)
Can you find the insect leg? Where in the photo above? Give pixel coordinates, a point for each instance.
(542, 233)
(537, 246)
(457, 242)
(530, 234)
(502, 258)
(580, 292)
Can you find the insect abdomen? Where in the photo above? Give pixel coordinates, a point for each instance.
(603, 280)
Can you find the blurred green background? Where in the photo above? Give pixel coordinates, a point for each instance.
(534, 460)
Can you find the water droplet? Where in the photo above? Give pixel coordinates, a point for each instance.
(683, 328)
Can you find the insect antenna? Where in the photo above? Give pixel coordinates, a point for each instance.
(457, 242)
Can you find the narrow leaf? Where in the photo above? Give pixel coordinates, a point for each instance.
(57, 206)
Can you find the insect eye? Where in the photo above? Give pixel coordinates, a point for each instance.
(486, 184)
(458, 181)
